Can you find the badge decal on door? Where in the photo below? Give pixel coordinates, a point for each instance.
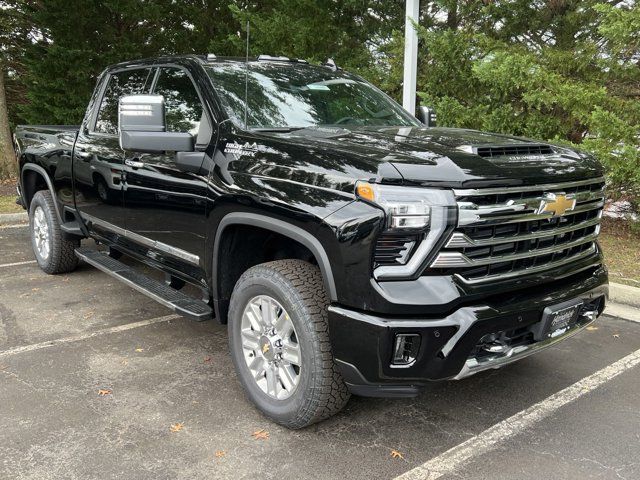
(248, 149)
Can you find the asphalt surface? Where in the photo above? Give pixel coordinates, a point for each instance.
(64, 338)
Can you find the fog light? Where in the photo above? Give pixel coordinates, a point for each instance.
(406, 349)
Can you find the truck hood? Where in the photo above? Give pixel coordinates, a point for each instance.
(444, 156)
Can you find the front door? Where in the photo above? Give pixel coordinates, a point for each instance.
(165, 206)
(98, 158)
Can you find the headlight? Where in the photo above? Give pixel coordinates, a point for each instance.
(406, 207)
(425, 212)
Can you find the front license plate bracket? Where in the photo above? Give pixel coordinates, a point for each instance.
(557, 319)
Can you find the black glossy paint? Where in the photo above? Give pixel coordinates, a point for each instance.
(305, 179)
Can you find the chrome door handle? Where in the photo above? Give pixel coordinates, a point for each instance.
(134, 163)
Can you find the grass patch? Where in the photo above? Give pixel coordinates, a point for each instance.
(621, 246)
(8, 204)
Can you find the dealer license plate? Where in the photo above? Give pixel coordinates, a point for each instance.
(557, 319)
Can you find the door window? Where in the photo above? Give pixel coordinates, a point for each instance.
(183, 108)
(127, 82)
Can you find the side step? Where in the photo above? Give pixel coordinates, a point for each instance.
(160, 292)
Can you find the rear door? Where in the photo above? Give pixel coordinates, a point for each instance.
(165, 206)
(98, 158)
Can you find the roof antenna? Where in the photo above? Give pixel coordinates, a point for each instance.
(246, 79)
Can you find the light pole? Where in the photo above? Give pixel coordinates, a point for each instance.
(410, 56)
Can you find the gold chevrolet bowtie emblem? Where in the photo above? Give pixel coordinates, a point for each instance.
(265, 348)
(557, 204)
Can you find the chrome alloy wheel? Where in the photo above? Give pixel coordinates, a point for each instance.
(41, 233)
(270, 347)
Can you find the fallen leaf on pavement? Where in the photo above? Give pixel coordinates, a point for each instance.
(105, 391)
(125, 362)
(260, 435)
(176, 427)
(207, 359)
(220, 453)
(139, 349)
(396, 454)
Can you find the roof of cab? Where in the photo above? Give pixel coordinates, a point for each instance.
(209, 59)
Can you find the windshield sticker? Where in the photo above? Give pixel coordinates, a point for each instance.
(248, 149)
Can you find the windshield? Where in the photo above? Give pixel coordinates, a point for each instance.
(284, 95)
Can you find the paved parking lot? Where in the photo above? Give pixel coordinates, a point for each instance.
(64, 338)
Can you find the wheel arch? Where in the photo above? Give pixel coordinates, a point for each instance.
(33, 178)
(279, 227)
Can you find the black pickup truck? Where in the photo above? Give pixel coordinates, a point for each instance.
(350, 247)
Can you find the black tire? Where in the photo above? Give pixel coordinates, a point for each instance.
(61, 257)
(102, 190)
(298, 287)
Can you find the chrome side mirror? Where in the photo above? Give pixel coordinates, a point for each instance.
(142, 126)
(426, 115)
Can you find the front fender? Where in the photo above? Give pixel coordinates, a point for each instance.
(287, 229)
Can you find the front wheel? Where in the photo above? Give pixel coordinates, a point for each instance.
(279, 341)
(54, 253)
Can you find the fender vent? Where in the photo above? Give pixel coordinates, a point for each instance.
(393, 249)
(515, 149)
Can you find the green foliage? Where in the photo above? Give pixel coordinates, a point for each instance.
(518, 72)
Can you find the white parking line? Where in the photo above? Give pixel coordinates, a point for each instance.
(452, 459)
(19, 225)
(84, 336)
(17, 264)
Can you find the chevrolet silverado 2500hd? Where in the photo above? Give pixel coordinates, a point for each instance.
(349, 247)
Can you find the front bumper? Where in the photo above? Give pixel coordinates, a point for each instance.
(363, 343)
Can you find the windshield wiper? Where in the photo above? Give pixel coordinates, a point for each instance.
(277, 129)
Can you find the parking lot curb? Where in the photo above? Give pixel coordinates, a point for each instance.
(624, 294)
(620, 310)
(13, 218)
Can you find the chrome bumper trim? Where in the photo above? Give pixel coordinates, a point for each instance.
(472, 366)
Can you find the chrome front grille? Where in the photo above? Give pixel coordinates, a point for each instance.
(502, 233)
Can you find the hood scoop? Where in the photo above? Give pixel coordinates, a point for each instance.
(513, 149)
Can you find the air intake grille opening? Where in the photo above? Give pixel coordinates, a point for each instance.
(516, 149)
(393, 249)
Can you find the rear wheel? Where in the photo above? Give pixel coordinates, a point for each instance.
(279, 340)
(54, 253)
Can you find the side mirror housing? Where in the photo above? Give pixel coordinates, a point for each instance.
(142, 127)
(426, 115)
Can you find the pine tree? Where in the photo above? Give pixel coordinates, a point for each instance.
(13, 28)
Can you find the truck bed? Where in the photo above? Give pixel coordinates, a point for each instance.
(43, 139)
